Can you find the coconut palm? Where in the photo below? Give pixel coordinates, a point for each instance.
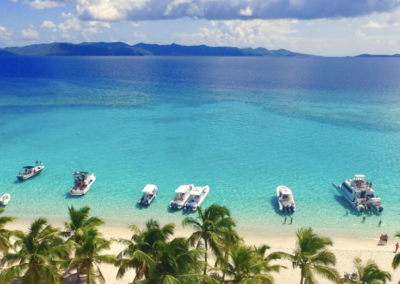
(211, 227)
(368, 273)
(146, 241)
(247, 264)
(175, 263)
(38, 255)
(87, 254)
(79, 221)
(4, 233)
(313, 257)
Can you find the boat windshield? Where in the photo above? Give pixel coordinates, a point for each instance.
(285, 196)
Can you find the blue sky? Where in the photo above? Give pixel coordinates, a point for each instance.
(321, 27)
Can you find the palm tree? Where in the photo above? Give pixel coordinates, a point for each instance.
(175, 263)
(313, 257)
(78, 222)
(368, 273)
(211, 227)
(87, 254)
(5, 234)
(145, 241)
(248, 264)
(38, 256)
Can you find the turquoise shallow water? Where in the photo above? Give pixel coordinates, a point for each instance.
(171, 122)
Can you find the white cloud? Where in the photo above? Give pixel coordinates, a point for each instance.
(48, 25)
(15, 1)
(70, 24)
(372, 24)
(360, 34)
(30, 33)
(45, 4)
(246, 12)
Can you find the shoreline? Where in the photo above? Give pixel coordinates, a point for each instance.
(345, 249)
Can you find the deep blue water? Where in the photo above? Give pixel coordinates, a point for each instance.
(241, 125)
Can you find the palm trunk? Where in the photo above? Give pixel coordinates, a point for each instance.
(302, 277)
(205, 258)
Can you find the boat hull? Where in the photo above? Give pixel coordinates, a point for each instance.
(76, 191)
(37, 170)
(5, 199)
(355, 205)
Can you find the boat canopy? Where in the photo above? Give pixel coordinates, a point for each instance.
(284, 190)
(80, 173)
(359, 177)
(184, 188)
(28, 167)
(197, 190)
(149, 188)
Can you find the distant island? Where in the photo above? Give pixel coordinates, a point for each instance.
(145, 49)
(140, 49)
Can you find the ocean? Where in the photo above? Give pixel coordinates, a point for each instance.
(242, 125)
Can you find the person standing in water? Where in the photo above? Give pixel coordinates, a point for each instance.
(285, 219)
(380, 222)
(291, 220)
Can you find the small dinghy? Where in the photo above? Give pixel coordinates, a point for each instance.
(5, 199)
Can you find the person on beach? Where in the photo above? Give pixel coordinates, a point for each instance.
(397, 247)
(386, 238)
(291, 220)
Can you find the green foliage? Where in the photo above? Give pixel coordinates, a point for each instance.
(38, 255)
(5, 234)
(368, 273)
(212, 228)
(312, 257)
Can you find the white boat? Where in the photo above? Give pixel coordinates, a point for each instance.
(149, 193)
(83, 182)
(196, 198)
(181, 197)
(5, 199)
(30, 171)
(360, 194)
(285, 199)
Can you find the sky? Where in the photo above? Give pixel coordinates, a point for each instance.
(319, 27)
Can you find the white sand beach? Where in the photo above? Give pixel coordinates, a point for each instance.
(345, 249)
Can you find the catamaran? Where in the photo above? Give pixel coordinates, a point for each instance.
(149, 193)
(360, 194)
(285, 199)
(197, 196)
(83, 182)
(181, 197)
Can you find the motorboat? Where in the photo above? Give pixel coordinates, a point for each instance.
(83, 182)
(360, 194)
(149, 193)
(285, 199)
(5, 199)
(181, 197)
(30, 171)
(196, 198)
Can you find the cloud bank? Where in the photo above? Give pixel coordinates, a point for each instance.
(143, 10)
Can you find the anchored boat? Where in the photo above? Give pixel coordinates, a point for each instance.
(30, 171)
(197, 196)
(83, 182)
(285, 199)
(181, 197)
(5, 199)
(360, 194)
(149, 193)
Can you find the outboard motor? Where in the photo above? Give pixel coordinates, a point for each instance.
(292, 208)
(380, 209)
(287, 208)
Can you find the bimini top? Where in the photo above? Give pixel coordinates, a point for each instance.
(28, 167)
(284, 190)
(197, 190)
(359, 177)
(184, 188)
(80, 173)
(149, 188)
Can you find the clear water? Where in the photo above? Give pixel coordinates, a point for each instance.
(243, 126)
